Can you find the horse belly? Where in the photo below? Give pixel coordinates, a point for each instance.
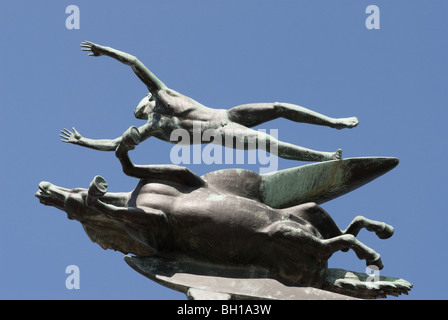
(221, 229)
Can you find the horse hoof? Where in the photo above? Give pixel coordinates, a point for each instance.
(386, 232)
(375, 262)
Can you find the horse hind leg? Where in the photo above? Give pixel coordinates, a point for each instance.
(296, 254)
(381, 229)
(297, 237)
(349, 241)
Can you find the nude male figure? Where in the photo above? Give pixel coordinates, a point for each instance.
(166, 110)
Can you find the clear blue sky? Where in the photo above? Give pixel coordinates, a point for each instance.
(318, 54)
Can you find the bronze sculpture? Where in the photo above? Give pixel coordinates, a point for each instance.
(233, 220)
(166, 110)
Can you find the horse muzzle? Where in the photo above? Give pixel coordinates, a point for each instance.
(51, 195)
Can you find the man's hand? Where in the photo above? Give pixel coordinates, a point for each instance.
(149, 79)
(70, 137)
(95, 49)
(130, 139)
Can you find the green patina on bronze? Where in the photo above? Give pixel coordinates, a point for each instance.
(263, 231)
(167, 110)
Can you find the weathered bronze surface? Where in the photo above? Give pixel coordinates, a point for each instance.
(221, 218)
(166, 110)
(257, 232)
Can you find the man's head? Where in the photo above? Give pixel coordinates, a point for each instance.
(145, 107)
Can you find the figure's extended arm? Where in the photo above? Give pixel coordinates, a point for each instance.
(101, 144)
(97, 144)
(174, 173)
(149, 79)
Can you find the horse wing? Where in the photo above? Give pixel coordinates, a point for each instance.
(321, 182)
(238, 182)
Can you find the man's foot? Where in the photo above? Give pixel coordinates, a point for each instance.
(327, 156)
(344, 123)
(337, 155)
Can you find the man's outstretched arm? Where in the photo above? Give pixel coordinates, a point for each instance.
(167, 172)
(149, 79)
(97, 144)
(144, 132)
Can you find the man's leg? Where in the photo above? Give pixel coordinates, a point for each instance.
(253, 114)
(246, 138)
